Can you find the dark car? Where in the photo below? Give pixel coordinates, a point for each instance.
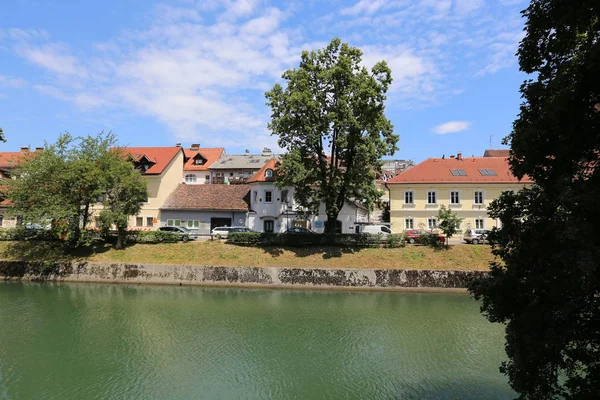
(183, 232)
(298, 229)
(414, 235)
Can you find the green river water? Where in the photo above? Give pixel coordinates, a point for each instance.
(100, 341)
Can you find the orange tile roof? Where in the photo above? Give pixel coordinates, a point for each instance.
(160, 156)
(259, 176)
(10, 159)
(437, 170)
(209, 154)
(209, 197)
(496, 153)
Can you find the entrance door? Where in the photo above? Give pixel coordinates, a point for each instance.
(338, 226)
(214, 222)
(269, 226)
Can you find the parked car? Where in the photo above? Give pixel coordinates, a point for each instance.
(298, 229)
(414, 235)
(183, 232)
(476, 236)
(382, 230)
(223, 231)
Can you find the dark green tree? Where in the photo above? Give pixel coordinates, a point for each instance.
(330, 118)
(448, 222)
(2, 139)
(547, 287)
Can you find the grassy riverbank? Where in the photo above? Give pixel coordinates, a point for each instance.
(460, 257)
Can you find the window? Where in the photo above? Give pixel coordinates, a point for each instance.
(255, 196)
(269, 173)
(478, 223)
(432, 223)
(284, 196)
(1, 220)
(454, 197)
(409, 223)
(199, 161)
(139, 221)
(458, 172)
(97, 222)
(193, 224)
(269, 226)
(231, 174)
(190, 178)
(408, 197)
(207, 177)
(431, 197)
(173, 222)
(487, 172)
(385, 229)
(478, 197)
(268, 196)
(149, 221)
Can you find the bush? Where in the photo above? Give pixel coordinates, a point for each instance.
(396, 240)
(304, 240)
(151, 237)
(20, 233)
(431, 240)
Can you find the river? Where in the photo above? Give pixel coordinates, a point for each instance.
(102, 341)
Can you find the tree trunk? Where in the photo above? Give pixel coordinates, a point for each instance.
(331, 222)
(120, 241)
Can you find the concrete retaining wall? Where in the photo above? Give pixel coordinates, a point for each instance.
(236, 276)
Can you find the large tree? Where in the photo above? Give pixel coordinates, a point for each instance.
(2, 139)
(330, 118)
(63, 182)
(546, 289)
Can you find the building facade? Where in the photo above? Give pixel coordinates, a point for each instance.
(197, 161)
(238, 168)
(465, 185)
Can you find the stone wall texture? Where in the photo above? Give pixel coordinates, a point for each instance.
(235, 276)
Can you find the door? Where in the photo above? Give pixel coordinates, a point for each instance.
(269, 226)
(214, 222)
(338, 226)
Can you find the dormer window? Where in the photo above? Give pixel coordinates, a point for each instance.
(198, 160)
(269, 173)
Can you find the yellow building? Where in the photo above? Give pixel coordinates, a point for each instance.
(162, 168)
(465, 185)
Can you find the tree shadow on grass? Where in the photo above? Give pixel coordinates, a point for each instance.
(326, 252)
(54, 250)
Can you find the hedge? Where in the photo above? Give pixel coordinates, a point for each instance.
(90, 236)
(312, 239)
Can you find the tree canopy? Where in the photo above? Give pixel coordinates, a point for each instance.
(449, 221)
(330, 118)
(61, 183)
(547, 288)
(2, 139)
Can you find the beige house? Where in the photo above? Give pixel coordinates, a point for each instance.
(162, 167)
(465, 185)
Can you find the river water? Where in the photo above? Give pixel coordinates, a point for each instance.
(100, 341)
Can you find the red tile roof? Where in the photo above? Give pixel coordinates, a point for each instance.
(438, 170)
(159, 156)
(10, 159)
(209, 154)
(496, 153)
(209, 197)
(259, 176)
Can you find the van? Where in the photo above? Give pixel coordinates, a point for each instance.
(382, 230)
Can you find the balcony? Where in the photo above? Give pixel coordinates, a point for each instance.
(233, 180)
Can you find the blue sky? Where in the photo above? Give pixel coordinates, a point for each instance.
(161, 72)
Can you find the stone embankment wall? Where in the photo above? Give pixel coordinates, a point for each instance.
(235, 276)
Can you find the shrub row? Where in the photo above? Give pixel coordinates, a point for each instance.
(20, 233)
(311, 239)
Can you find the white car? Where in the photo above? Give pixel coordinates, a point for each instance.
(382, 230)
(223, 231)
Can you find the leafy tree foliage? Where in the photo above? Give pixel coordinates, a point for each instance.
(547, 290)
(62, 183)
(330, 119)
(448, 221)
(2, 139)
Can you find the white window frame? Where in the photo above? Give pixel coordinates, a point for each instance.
(173, 222)
(457, 203)
(482, 226)
(409, 223)
(151, 221)
(269, 173)
(412, 197)
(255, 195)
(434, 192)
(268, 193)
(191, 178)
(193, 224)
(475, 197)
(430, 225)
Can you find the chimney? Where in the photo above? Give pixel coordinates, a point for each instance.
(195, 146)
(177, 144)
(24, 149)
(247, 152)
(459, 156)
(39, 149)
(266, 151)
(452, 156)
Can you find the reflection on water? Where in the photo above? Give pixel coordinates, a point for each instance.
(93, 341)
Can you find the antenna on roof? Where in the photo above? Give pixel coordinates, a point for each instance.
(490, 142)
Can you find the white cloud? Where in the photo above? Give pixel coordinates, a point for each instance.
(53, 57)
(363, 7)
(11, 82)
(451, 127)
(467, 6)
